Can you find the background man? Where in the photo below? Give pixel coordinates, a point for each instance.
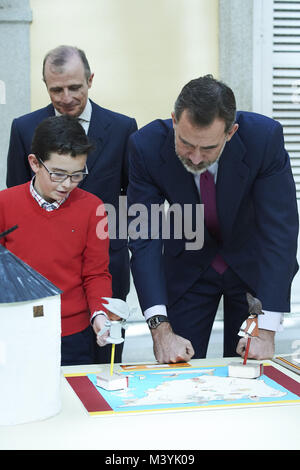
(68, 78)
(237, 166)
(57, 233)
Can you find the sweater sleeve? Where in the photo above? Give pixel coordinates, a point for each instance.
(95, 266)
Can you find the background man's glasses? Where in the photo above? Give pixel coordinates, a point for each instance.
(57, 177)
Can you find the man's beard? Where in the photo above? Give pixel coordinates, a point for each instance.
(192, 168)
(200, 167)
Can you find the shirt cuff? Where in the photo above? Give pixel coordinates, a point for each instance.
(155, 310)
(271, 321)
(100, 312)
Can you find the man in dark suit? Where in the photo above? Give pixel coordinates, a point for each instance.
(68, 78)
(236, 165)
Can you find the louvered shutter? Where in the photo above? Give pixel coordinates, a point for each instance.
(286, 77)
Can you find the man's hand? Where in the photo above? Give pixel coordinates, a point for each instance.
(261, 346)
(169, 347)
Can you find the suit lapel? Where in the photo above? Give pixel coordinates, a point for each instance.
(49, 110)
(232, 177)
(178, 182)
(231, 183)
(98, 133)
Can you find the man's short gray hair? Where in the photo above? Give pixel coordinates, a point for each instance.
(59, 56)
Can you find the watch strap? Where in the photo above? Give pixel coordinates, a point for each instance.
(156, 320)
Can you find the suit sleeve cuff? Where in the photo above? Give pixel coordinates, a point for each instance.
(271, 321)
(155, 310)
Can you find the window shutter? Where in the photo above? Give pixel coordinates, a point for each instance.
(286, 77)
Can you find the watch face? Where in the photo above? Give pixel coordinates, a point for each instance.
(155, 321)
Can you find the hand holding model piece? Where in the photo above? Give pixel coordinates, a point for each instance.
(262, 341)
(250, 332)
(110, 330)
(249, 327)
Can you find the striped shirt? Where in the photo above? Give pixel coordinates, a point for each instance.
(48, 206)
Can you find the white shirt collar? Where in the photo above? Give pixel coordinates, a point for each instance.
(85, 116)
(213, 169)
(86, 113)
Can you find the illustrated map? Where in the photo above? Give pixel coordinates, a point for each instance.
(187, 388)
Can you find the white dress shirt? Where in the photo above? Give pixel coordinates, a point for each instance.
(269, 321)
(85, 116)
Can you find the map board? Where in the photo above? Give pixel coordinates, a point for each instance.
(183, 388)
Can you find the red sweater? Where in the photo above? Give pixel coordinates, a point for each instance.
(62, 245)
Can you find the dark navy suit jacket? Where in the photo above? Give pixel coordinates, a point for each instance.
(107, 165)
(257, 209)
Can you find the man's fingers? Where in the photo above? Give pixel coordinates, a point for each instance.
(190, 351)
(184, 355)
(169, 347)
(187, 355)
(241, 347)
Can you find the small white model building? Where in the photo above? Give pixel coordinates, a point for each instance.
(115, 381)
(245, 371)
(30, 342)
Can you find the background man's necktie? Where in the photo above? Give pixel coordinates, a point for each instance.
(208, 198)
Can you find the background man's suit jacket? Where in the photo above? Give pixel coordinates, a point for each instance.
(107, 166)
(257, 209)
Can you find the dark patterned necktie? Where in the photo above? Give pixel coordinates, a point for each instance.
(208, 198)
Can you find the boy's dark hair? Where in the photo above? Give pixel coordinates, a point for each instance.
(206, 99)
(60, 134)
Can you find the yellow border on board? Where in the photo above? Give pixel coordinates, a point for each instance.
(191, 408)
(78, 374)
(142, 367)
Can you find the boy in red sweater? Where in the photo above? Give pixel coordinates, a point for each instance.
(56, 232)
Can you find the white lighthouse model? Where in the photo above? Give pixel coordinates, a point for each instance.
(30, 342)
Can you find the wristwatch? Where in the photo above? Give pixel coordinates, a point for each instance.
(156, 320)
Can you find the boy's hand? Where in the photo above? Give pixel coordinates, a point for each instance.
(98, 325)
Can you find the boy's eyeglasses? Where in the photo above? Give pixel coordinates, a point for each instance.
(57, 177)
